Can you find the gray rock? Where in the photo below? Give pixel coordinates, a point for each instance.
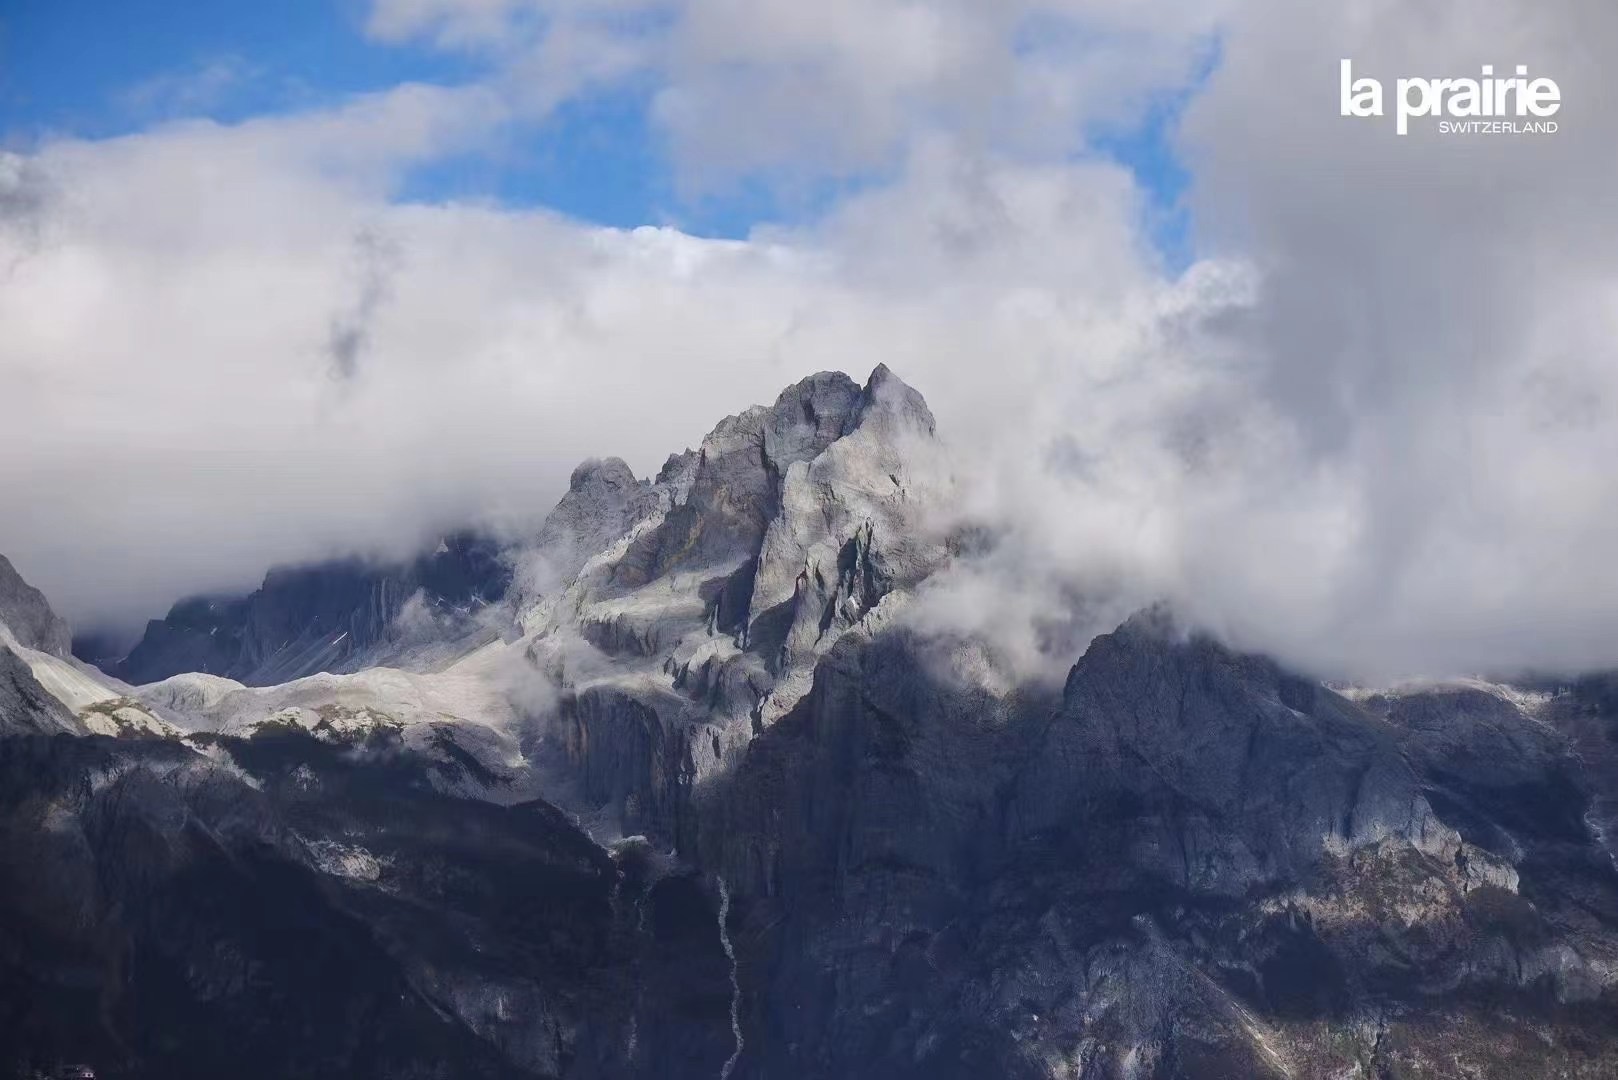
(879, 851)
(603, 502)
(1186, 862)
(276, 908)
(744, 562)
(1239, 773)
(719, 513)
(28, 614)
(25, 706)
(1193, 863)
(337, 616)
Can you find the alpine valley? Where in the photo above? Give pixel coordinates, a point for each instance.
(680, 785)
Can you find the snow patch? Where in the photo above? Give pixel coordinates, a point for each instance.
(343, 860)
(735, 981)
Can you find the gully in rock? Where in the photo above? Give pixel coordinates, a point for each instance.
(735, 981)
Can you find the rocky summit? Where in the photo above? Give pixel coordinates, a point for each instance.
(683, 784)
(342, 615)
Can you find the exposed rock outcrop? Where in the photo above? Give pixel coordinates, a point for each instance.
(335, 617)
(28, 615)
(844, 843)
(1192, 863)
(26, 708)
(746, 560)
(276, 907)
(1186, 862)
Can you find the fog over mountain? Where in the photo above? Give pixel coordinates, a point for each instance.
(1363, 426)
(782, 540)
(730, 797)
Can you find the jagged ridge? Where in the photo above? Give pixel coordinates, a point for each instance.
(337, 616)
(1184, 862)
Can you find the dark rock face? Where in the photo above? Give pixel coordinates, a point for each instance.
(870, 848)
(1188, 862)
(286, 908)
(1192, 864)
(28, 615)
(1588, 717)
(1235, 773)
(25, 707)
(338, 616)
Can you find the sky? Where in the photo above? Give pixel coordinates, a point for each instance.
(282, 281)
(599, 157)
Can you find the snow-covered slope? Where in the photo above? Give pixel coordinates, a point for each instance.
(76, 684)
(339, 616)
(467, 717)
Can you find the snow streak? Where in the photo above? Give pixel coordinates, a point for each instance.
(735, 982)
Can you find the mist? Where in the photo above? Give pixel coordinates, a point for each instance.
(1366, 426)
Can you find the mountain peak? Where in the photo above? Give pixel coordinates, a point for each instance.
(611, 472)
(887, 392)
(28, 614)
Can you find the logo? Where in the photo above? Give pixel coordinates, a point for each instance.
(1483, 106)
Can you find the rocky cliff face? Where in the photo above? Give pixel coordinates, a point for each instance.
(278, 907)
(745, 561)
(30, 629)
(840, 843)
(25, 611)
(26, 707)
(338, 616)
(1190, 864)
(1187, 862)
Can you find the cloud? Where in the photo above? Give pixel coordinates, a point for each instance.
(1386, 455)
(541, 52)
(459, 24)
(193, 91)
(1368, 429)
(1435, 326)
(844, 87)
(375, 257)
(794, 92)
(24, 196)
(172, 424)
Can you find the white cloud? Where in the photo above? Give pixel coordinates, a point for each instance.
(174, 423)
(839, 88)
(541, 52)
(197, 89)
(1370, 432)
(845, 87)
(1435, 325)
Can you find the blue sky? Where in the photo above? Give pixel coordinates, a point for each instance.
(145, 61)
(71, 65)
(933, 163)
(94, 69)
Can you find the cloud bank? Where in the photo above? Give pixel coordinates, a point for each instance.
(1368, 428)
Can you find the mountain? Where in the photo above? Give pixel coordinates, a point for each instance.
(1188, 864)
(677, 644)
(307, 894)
(37, 675)
(26, 707)
(278, 907)
(728, 803)
(341, 615)
(28, 615)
